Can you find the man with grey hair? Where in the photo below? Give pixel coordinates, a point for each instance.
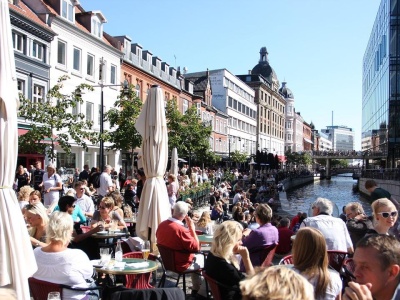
(334, 229)
(106, 184)
(172, 234)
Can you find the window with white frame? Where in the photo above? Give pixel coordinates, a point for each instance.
(18, 41)
(37, 50)
(21, 86)
(38, 93)
(217, 126)
(185, 106)
(76, 109)
(67, 10)
(90, 65)
(61, 53)
(113, 74)
(77, 59)
(97, 27)
(89, 111)
(137, 90)
(198, 107)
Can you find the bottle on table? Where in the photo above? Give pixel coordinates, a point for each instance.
(118, 251)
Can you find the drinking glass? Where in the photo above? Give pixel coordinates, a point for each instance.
(105, 256)
(54, 296)
(146, 250)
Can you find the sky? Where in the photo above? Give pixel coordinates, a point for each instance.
(316, 46)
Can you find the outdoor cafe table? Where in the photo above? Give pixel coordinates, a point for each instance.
(205, 239)
(108, 235)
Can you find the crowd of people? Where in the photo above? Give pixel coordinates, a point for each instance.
(241, 217)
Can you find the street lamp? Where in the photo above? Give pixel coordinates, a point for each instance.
(101, 85)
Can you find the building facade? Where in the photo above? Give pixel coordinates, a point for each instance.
(342, 137)
(380, 87)
(298, 133)
(270, 129)
(289, 117)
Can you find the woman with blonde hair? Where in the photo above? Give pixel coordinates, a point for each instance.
(23, 195)
(36, 217)
(221, 263)
(385, 216)
(118, 201)
(276, 283)
(106, 214)
(310, 259)
(205, 224)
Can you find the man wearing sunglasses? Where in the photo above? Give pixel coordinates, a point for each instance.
(84, 202)
(377, 269)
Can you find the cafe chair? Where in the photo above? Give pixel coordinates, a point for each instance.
(215, 287)
(268, 254)
(138, 281)
(174, 293)
(336, 259)
(287, 260)
(261, 256)
(40, 289)
(168, 261)
(199, 232)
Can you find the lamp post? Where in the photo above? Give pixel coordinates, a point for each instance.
(101, 85)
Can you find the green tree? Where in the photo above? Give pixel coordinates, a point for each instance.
(52, 120)
(187, 133)
(238, 157)
(122, 117)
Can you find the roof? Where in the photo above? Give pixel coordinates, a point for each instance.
(200, 83)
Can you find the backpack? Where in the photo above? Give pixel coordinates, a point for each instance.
(96, 180)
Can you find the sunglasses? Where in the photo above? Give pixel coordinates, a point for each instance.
(387, 214)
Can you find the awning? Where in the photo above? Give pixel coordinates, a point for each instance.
(308, 141)
(22, 131)
(282, 158)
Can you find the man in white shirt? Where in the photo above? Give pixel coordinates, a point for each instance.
(334, 229)
(85, 203)
(106, 184)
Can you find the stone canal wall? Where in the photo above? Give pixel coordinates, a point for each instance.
(291, 183)
(392, 186)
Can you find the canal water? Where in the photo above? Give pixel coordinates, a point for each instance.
(339, 190)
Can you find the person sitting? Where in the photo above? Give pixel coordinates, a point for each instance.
(310, 259)
(276, 282)
(241, 220)
(172, 234)
(221, 263)
(357, 222)
(385, 216)
(285, 237)
(23, 195)
(255, 240)
(36, 217)
(377, 269)
(204, 224)
(217, 212)
(118, 201)
(129, 195)
(35, 197)
(106, 214)
(59, 264)
(84, 202)
(295, 220)
(334, 229)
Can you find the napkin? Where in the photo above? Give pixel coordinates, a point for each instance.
(138, 265)
(119, 265)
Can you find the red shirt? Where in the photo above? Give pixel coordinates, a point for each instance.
(285, 243)
(175, 236)
(295, 220)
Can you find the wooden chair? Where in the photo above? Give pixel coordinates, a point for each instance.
(259, 256)
(215, 287)
(336, 259)
(138, 281)
(40, 289)
(168, 261)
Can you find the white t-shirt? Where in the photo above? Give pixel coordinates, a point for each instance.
(334, 230)
(105, 182)
(50, 182)
(85, 203)
(333, 290)
(70, 267)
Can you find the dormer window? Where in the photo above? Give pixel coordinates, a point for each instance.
(96, 28)
(97, 23)
(67, 10)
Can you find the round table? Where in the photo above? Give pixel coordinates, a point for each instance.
(152, 266)
(205, 239)
(109, 235)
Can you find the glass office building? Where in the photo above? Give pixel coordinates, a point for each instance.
(381, 85)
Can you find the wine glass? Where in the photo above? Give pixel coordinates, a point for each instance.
(54, 296)
(146, 250)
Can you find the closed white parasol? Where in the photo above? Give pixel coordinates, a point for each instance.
(17, 261)
(154, 205)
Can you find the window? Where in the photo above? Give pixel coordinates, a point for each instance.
(198, 107)
(185, 106)
(137, 89)
(66, 160)
(77, 59)
(235, 103)
(89, 111)
(67, 10)
(18, 41)
(113, 75)
(230, 101)
(76, 109)
(37, 50)
(21, 86)
(38, 93)
(90, 65)
(96, 28)
(239, 107)
(61, 53)
(217, 126)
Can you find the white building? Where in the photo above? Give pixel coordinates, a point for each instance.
(82, 51)
(289, 116)
(298, 135)
(342, 137)
(236, 99)
(324, 143)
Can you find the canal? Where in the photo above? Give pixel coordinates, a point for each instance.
(339, 190)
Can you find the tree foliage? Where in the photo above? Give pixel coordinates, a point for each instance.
(187, 133)
(122, 117)
(238, 157)
(298, 159)
(52, 121)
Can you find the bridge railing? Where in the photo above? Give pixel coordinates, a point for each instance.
(386, 174)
